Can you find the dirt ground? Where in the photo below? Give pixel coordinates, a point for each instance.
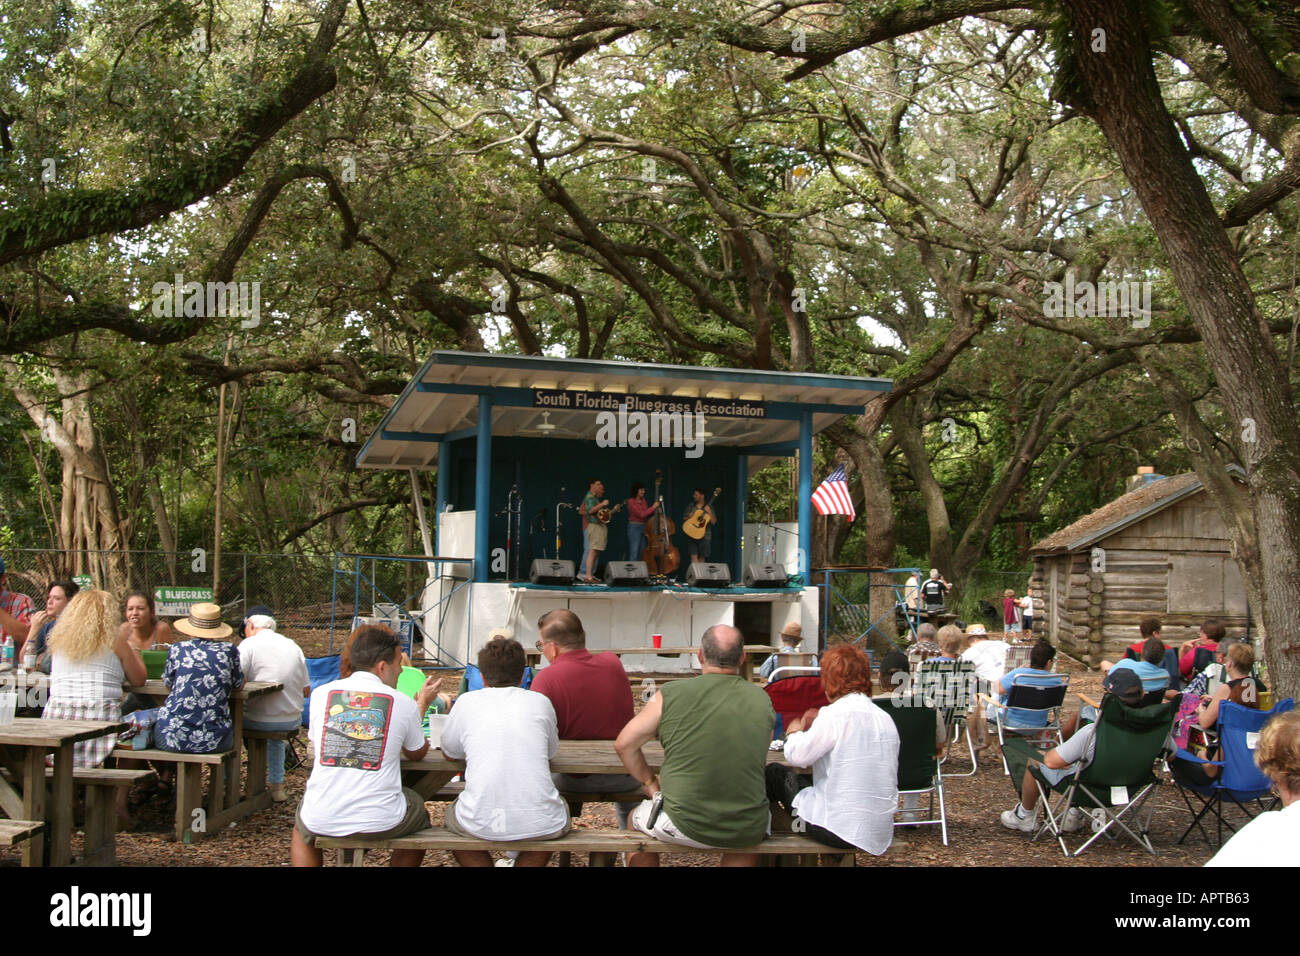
(976, 838)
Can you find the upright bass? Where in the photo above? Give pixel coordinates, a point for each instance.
(660, 555)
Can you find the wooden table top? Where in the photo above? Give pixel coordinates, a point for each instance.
(251, 689)
(39, 732)
(665, 651)
(151, 688)
(572, 756)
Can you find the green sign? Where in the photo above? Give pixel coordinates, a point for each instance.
(82, 581)
(175, 602)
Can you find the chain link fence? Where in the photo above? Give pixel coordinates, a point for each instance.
(861, 606)
(302, 589)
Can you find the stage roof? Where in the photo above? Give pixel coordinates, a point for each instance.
(756, 410)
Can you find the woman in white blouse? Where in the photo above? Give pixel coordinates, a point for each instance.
(852, 747)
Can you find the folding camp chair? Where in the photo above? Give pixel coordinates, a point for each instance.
(472, 679)
(1239, 780)
(1032, 711)
(950, 687)
(1120, 781)
(793, 696)
(320, 670)
(918, 770)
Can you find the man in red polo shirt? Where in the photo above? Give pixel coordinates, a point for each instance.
(592, 701)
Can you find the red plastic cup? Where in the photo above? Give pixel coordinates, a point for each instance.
(657, 640)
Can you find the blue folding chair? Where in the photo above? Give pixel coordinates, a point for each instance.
(473, 679)
(1239, 780)
(320, 670)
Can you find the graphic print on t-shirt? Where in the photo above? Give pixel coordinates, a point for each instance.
(356, 727)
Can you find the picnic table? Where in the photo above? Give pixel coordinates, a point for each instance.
(24, 745)
(252, 689)
(435, 771)
(746, 668)
(227, 800)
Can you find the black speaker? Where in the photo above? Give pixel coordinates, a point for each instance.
(550, 571)
(706, 575)
(763, 576)
(627, 574)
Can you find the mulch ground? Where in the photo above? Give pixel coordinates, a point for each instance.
(976, 838)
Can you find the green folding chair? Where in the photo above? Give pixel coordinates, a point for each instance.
(1121, 779)
(918, 770)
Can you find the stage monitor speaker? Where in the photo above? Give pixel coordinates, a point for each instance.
(627, 574)
(763, 576)
(550, 571)
(706, 575)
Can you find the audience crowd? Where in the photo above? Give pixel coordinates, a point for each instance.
(715, 788)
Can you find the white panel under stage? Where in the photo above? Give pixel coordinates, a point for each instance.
(613, 618)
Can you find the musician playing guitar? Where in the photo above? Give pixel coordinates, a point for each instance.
(594, 533)
(696, 512)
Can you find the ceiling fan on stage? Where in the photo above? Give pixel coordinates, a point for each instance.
(547, 428)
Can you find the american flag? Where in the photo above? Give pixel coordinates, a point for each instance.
(832, 495)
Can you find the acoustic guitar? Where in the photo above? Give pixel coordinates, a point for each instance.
(698, 523)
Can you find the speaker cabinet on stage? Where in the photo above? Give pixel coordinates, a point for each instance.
(627, 574)
(550, 571)
(705, 575)
(763, 576)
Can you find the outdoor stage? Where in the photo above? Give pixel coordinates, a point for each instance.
(515, 440)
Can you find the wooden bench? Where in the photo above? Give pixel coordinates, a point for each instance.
(101, 785)
(193, 821)
(16, 831)
(255, 743)
(604, 846)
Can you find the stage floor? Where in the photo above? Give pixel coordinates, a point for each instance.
(728, 592)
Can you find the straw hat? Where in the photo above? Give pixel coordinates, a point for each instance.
(793, 630)
(204, 621)
(976, 630)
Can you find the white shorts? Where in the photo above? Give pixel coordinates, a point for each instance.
(666, 832)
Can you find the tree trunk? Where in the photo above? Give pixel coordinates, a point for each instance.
(907, 432)
(89, 519)
(1120, 92)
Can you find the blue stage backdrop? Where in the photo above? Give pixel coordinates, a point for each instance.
(549, 470)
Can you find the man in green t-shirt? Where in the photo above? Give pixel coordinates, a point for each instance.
(715, 730)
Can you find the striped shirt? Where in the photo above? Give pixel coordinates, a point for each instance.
(96, 678)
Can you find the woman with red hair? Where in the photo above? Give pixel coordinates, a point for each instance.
(852, 747)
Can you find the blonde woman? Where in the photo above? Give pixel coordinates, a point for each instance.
(89, 661)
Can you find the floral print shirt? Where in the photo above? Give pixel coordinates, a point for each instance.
(202, 674)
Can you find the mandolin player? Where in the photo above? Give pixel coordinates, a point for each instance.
(594, 533)
(699, 510)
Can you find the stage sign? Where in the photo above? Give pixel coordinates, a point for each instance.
(665, 404)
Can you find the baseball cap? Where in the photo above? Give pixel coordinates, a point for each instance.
(1124, 683)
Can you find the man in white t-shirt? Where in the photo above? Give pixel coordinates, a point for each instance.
(360, 730)
(507, 736)
(265, 655)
